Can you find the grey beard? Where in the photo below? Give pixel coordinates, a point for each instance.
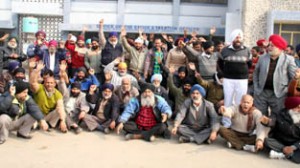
(12, 46)
(148, 101)
(295, 116)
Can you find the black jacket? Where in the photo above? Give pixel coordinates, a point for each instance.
(30, 107)
(111, 109)
(284, 130)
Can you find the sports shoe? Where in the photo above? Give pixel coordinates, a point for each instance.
(152, 138)
(128, 137)
(106, 130)
(250, 148)
(276, 155)
(77, 130)
(229, 145)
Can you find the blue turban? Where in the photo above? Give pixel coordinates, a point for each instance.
(200, 89)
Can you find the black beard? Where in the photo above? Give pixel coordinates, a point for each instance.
(75, 94)
(18, 79)
(95, 48)
(185, 92)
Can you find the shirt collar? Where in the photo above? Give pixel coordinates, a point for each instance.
(231, 47)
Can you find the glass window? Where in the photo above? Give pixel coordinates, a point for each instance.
(289, 31)
(206, 1)
(151, 0)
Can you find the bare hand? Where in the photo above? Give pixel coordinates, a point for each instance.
(164, 35)
(101, 22)
(39, 42)
(297, 73)
(202, 39)
(107, 76)
(63, 126)
(194, 34)
(32, 63)
(85, 28)
(43, 125)
(265, 120)
(174, 130)
(81, 115)
(40, 66)
(123, 31)
(222, 110)
(213, 136)
(140, 31)
(63, 66)
(112, 125)
(164, 117)
(91, 71)
(172, 70)
(12, 90)
(119, 128)
(192, 66)
(259, 145)
(212, 30)
(288, 150)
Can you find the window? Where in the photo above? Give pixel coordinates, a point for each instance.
(206, 1)
(151, 0)
(289, 31)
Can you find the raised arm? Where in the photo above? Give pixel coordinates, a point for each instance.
(35, 74)
(102, 40)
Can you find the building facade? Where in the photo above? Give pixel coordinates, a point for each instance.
(257, 18)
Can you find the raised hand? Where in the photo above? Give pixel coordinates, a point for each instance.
(40, 65)
(101, 22)
(63, 66)
(91, 71)
(123, 31)
(192, 66)
(212, 30)
(172, 70)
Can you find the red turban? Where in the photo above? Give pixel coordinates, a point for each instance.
(292, 102)
(278, 41)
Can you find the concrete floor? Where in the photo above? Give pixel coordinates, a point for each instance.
(94, 150)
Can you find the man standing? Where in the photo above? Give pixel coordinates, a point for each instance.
(92, 59)
(234, 62)
(197, 120)
(50, 57)
(18, 112)
(272, 75)
(11, 52)
(137, 54)
(150, 114)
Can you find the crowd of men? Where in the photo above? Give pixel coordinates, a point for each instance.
(155, 86)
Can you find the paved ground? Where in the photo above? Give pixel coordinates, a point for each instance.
(94, 150)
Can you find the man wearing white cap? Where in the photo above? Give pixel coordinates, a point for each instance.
(137, 54)
(234, 62)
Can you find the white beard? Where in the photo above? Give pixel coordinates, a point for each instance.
(113, 43)
(295, 116)
(12, 46)
(148, 101)
(106, 97)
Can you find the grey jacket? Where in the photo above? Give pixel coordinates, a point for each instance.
(208, 117)
(284, 72)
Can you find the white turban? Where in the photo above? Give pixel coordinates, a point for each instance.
(139, 40)
(156, 76)
(73, 38)
(235, 33)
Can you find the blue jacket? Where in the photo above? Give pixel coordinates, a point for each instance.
(133, 108)
(87, 82)
(44, 55)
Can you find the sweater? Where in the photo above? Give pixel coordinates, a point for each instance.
(235, 63)
(239, 122)
(93, 60)
(137, 58)
(176, 58)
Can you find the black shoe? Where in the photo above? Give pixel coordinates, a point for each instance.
(106, 131)
(2, 142)
(23, 136)
(167, 134)
(77, 130)
(183, 139)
